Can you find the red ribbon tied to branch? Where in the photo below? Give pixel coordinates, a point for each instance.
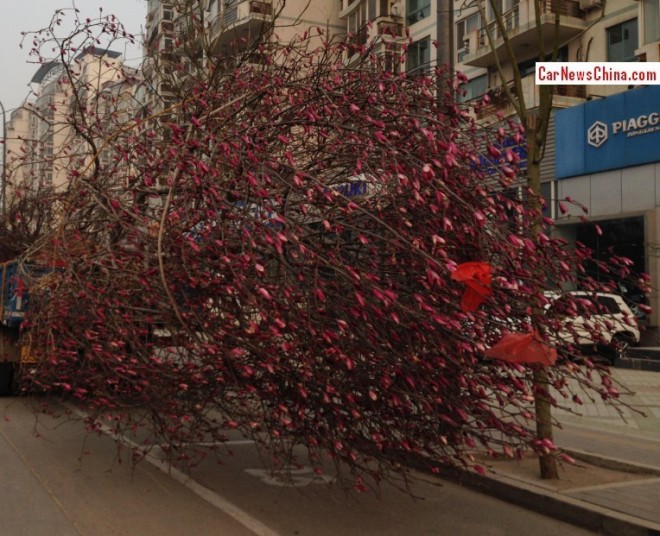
(523, 348)
(477, 278)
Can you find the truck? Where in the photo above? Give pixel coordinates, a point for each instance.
(15, 277)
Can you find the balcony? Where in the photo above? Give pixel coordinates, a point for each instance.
(368, 21)
(576, 92)
(380, 38)
(564, 96)
(245, 20)
(498, 103)
(520, 26)
(390, 27)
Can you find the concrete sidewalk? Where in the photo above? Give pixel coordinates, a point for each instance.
(602, 436)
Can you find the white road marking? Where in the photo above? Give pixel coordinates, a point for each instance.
(211, 444)
(298, 478)
(233, 511)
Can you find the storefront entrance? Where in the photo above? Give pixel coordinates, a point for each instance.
(622, 237)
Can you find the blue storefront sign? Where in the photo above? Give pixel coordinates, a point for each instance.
(491, 165)
(612, 133)
(355, 188)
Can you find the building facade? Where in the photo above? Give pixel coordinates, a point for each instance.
(18, 167)
(610, 181)
(202, 34)
(38, 132)
(41, 142)
(608, 157)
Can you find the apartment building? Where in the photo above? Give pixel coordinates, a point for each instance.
(194, 34)
(236, 24)
(18, 144)
(36, 131)
(41, 142)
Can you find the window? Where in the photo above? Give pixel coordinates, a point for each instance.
(548, 195)
(419, 55)
(607, 305)
(529, 67)
(502, 7)
(392, 60)
(622, 41)
(417, 10)
(474, 88)
(651, 21)
(509, 11)
(463, 29)
(357, 25)
(372, 9)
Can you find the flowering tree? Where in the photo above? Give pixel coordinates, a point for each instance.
(311, 253)
(536, 120)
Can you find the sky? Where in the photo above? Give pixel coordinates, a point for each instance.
(17, 16)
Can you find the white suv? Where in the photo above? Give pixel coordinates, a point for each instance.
(593, 319)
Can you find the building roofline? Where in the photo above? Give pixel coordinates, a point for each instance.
(43, 71)
(97, 51)
(47, 67)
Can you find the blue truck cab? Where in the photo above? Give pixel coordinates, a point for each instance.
(14, 294)
(15, 279)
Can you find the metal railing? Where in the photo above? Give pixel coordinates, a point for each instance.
(236, 11)
(510, 21)
(511, 18)
(499, 101)
(570, 8)
(572, 91)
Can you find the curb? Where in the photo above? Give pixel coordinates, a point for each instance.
(638, 363)
(608, 462)
(547, 502)
(558, 506)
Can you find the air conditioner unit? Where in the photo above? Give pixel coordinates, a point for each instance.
(590, 4)
(396, 9)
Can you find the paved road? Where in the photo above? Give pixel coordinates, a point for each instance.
(63, 483)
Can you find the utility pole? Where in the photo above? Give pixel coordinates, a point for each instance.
(445, 35)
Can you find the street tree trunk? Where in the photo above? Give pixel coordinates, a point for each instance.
(542, 405)
(536, 130)
(543, 410)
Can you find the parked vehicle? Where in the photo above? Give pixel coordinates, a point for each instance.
(594, 320)
(636, 300)
(14, 282)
